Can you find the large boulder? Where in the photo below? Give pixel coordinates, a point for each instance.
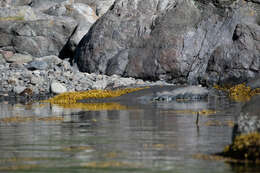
(37, 37)
(180, 41)
(85, 17)
(100, 6)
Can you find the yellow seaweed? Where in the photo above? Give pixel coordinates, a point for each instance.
(94, 106)
(240, 92)
(245, 146)
(73, 97)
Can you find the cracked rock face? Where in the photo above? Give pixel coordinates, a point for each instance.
(181, 41)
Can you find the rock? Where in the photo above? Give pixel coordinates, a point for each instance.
(18, 89)
(19, 58)
(37, 65)
(249, 119)
(237, 61)
(78, 11)
(248, 124)
(27, 92)
(37, 38)
(99, 85)
(5, 3)
(58, 88)
(252, 108)
(22, 13)
(101, 6)
(178, 41)
(255, 83)
(85, 17)
(51, 60)
(187, 93)
(7, 54)
(245, 148)
(2, 60)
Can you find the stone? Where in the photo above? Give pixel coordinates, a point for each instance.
(37, 37)
(2, 60)
(7, 54)
(101, 6)
(5, 3)
(58, 88)
(195, 42)
(187, 93)
(37, 65)
(249, 119)
(19, 58)
(51, 60)
(254, 83)
(85, 17)
(18, 89)
(99, 85)
(252, 108)
(22, 13)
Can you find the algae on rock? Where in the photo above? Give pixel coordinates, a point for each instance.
(244, 147)
(73, 97)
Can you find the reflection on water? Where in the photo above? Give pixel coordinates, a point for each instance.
(116, 137)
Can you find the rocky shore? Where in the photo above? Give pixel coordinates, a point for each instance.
(178, 41)
(37, 40)
(53, 75)
(78, 45)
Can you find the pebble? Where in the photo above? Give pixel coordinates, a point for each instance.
(18, 89)
(37, 65)
(19, 58)
(58, 88)
(15, 77)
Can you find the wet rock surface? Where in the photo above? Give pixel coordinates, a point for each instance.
(186, 93)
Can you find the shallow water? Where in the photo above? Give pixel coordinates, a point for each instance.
(117, 137)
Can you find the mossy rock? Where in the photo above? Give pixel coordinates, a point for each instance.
(244, 147)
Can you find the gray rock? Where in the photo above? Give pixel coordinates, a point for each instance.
(51, 60)
(18, 89)
(248, 124)
(19, 58)
(5, 3)
(85, 17)
(37, 38)
(58, 88)
(22, 13)
(255, 83)
(100, 84)
(187, 93)
(208, 42)
(2, 60)
(37, 65)
(249, 119)
(252, 108)
(101, 6)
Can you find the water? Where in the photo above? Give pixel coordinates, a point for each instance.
(117, 137)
